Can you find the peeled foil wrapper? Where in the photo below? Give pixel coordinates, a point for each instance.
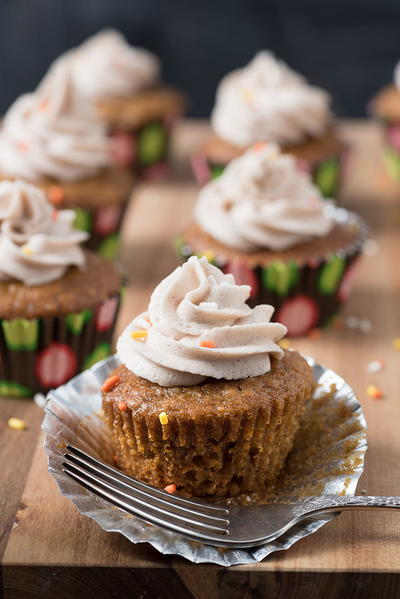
(327, 459)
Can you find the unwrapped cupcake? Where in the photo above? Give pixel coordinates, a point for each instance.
(266, 222)
(52, 139)
(123, 83)
(267, 101)
(205, 399)
(58, 303)
(386, 107)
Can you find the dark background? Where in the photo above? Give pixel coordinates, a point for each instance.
(348, 47)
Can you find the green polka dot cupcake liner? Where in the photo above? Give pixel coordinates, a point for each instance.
(103, 224)
(145, 150)
(39, 354)
(326, 174)
(391, 153)
(305, 296)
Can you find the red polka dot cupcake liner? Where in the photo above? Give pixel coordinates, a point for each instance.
(39, 354)
(145, 150)
(103, 224)
(305, 296)
(392, 149)
(326, 174)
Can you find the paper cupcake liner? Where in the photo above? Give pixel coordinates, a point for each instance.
(103, 223)
(327, 459)
(326, 174)
(391, 153)
(146, 149)
(42, 353)
(305, 296)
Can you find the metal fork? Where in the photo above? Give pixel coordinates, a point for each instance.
(220, 525)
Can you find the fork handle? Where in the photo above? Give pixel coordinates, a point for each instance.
(331, 503)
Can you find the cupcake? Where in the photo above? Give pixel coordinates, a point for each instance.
(267, 101)
(124, 85)
(266, 222)
(52, 139)
(386, 107)
(58, 303)
(205, 399)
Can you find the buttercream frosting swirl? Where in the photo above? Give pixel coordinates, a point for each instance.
(263, 201)
(198, 325)
(268, 101)
(106, 66)
(37, 243)
(51, 134)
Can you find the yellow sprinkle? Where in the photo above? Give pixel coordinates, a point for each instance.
(17, 424)
(248, 94)
(396, 343)
(26, 250)
(163, 418)
(209, 254)
(139, 334)
(284, 343)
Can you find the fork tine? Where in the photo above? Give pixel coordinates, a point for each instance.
(192, 528)
(113, 473)
(137, 494)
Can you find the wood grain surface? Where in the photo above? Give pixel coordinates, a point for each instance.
(48, 549)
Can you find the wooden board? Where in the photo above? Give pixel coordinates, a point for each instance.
(48, 549)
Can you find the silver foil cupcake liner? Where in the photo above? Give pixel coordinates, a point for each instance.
(327, 458)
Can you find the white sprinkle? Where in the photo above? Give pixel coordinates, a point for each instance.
(371, 247)
(365, 325)
(375, 366)
(352, 322)
(40, 400)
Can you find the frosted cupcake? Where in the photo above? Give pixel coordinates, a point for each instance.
(386, 107)
(58, 303)
(205, 399)
(266, 222)
(267, 101)
(124, 85)
(53, 140)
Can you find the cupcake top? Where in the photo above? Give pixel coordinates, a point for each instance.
(37, 243)
(106, 66)
(198, 325)
(268, 101)
(52, 134)
(263, 200)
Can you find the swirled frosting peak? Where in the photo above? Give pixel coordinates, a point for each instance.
(198, 325)
(263, 201)
(106, 66)
(37, 243)
(50, 133)
(268, 101)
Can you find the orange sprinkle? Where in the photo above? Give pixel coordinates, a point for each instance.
(148, 320)
(374, 392)
(314, 333)
(139, 334)
(170, 488)
(260, 145)
(110, 383)
(122, 406)
(44, 105)
(22, 146)
(54, 215)
(55, 195)
(210, 344)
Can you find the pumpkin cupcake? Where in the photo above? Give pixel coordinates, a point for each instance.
(123, 84)
(58, 303)
(266, 222)
(267, 101)
(385, 106)
(52, 139)
(205, 399)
